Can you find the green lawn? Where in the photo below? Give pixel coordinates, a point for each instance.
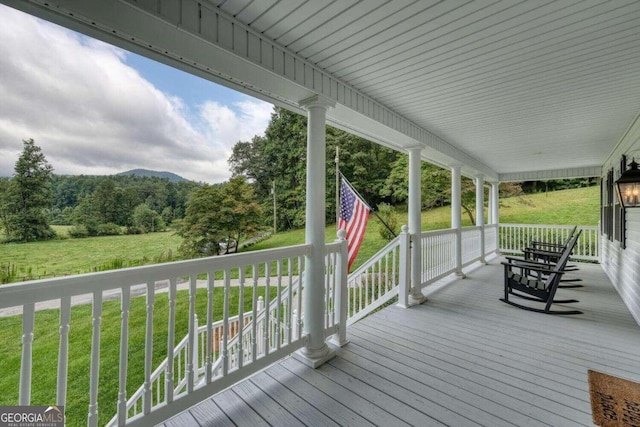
(63, 257)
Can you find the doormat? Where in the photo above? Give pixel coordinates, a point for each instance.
(615, 402)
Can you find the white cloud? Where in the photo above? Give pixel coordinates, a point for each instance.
(93, 114)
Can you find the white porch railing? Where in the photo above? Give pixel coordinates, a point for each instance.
(438, 254)
(471, 250)
(514, 237)
(375, 282)
(210, 357)
(438, 250)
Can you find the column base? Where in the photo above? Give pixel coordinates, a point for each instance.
(416, 300)
(315, 358)
(460, 275)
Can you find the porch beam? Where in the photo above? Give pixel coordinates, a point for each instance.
(316, 351)
(584, 172)
(415, 225)
(456, 214)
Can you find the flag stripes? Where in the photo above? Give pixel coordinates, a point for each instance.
(354, 214)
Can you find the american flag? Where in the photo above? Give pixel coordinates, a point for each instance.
(354, 214)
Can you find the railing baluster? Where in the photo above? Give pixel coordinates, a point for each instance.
(327, 284)
(124, 353)
(147, 395)
(290, 301)
(95, 359)
(209, 343)
(171, 333)
(191, 343)
(225, 314)
(28, 322)
(301, 267)
(240, 317)
(157, 386)
(267, 300)
(254, 311)
(63, 350)
(278, 306)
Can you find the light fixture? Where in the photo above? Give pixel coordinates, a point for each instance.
(628, 186)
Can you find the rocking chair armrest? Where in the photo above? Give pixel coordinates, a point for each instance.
(541, 251)
(551, 245)
(528, 261)
(534, 267)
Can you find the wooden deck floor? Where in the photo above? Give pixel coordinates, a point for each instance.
(461, 359)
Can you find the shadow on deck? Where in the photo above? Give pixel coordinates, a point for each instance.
(463, 359)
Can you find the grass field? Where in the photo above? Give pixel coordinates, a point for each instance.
(63, 257)
(71, 256)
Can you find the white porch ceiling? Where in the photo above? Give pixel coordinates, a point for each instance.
(512, 89)
(519, 85)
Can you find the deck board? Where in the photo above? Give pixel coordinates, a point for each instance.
(208, 414)
(463, 358)
(299, 408)
(237, 409)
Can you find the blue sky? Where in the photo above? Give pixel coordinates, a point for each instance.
(192, 89)
(97, 109)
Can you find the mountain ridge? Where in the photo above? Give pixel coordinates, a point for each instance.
(172, 177)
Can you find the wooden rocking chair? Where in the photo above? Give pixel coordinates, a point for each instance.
(519, 281)
(550, 253)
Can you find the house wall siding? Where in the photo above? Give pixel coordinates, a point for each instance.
(622, 265)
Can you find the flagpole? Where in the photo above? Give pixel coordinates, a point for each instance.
(369, 207)
(337, 160)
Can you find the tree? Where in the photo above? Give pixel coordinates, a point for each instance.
(279, 156)
(29, 196)
(105, 202)
(435, 183)
(218, 216)
(5, 183)
(147, 220)
(84, 219)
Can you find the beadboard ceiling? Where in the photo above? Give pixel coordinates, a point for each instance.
(519, 85)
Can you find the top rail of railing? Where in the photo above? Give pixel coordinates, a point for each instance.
(52, 289)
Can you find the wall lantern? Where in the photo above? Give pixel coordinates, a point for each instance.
(628, 186)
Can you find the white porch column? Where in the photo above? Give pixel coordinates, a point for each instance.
(480, 212)
(415, 225)
(316, 352)
(456, 214)
(495, 202)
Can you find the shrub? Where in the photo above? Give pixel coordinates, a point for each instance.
(78, 232)
(132, 229)
(389, 216)
(109, 229)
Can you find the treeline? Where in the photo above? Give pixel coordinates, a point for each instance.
(99, 205)
(34, 199)
(278, 161)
